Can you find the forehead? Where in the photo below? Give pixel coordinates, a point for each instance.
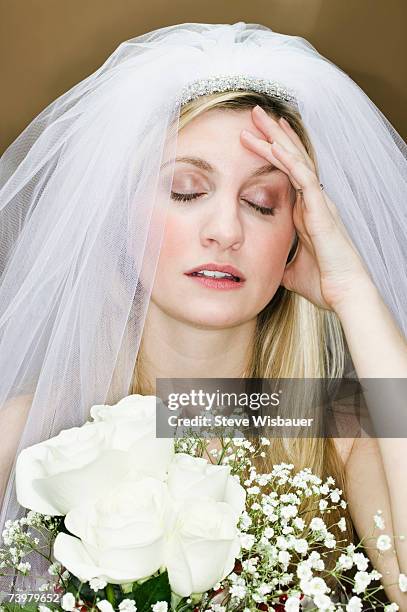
(222, 123)
(215, 135)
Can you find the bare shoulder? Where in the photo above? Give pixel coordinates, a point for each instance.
(13, 415)
(14, 410)
(348, 430)
(18, 401)
(344, 448)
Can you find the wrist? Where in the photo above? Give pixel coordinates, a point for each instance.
(363, 294)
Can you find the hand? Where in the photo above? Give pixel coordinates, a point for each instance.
(327, 269)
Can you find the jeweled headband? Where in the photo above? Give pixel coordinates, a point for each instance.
(227, 82)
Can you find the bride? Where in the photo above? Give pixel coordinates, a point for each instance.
(198, 149)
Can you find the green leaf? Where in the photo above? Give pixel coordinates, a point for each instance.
(153, 590)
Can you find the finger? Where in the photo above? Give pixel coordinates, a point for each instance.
(305, 177)
(263, 148)
(313, 198)
(292, 134)
(271, 128)
(281, 131)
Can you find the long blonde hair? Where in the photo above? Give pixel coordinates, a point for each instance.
(293, 338)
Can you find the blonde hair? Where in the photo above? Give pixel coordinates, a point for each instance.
(293, 338)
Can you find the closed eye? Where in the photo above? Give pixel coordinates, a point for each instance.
(187, 197)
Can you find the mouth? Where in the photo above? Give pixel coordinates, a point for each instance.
(217, 276)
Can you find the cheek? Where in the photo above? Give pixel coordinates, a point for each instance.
(175, 239)
(271, 253)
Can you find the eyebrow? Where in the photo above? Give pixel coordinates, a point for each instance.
(204, 165)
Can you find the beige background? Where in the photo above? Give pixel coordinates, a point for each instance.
(49, 45)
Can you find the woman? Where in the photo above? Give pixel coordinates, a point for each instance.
(103, 210)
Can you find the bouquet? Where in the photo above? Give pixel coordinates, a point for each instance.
(128, 522)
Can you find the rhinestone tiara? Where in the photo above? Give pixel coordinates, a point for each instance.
(227, 82)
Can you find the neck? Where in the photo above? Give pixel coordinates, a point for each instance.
(173, 348)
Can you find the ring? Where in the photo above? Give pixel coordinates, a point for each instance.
(300, 191)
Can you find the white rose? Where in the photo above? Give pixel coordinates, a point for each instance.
(120, 538)
(79, 465)
(190, 477)
(54, 475)
(202, 546)
(132, 423)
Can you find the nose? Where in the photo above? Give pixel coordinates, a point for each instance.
(222, 224)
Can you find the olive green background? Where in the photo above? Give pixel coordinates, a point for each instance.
(49, 45)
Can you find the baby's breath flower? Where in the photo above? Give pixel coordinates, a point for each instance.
(299, 523)
(354, 604)
(129, 605)
(97, 584)
(105, 606)
(238, 591)
(24, 568)
(250, 565)
(317, 586)
(362, 581)
(403, 583)
(289, 511)
(342, 524)
(378, 520)
(317, 524)
(292, 604)
(304, 571)
(68, 602)
(323, 602)
(54, 569)
(361, 561)
(284, 557)
(330, 541)
(247, 540)
(383, 542)
(345, 562)
(301, 546)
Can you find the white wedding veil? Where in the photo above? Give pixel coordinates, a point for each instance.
(80, 224)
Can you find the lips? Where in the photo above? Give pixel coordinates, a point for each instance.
(228, 269)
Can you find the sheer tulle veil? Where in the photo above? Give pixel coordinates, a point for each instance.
(82, 207)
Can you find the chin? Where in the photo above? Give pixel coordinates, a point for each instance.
(211, 318)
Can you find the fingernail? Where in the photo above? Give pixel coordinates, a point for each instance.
(261, 109)
(283, 120)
